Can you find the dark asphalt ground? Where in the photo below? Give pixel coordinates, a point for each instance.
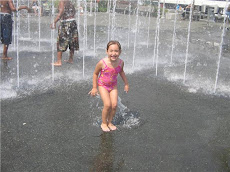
(177, 131)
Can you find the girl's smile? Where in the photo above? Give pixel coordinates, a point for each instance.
(113, 58)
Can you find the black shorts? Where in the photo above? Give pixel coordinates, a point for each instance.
(67, 36)
(6, 28)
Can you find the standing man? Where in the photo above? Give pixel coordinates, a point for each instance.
(7, 7)
(187, 10)
(67, 31)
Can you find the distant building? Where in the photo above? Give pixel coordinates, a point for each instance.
(219, 3)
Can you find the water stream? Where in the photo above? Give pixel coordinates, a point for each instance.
(52, 39)
(18, 34)
(113, 20)
(135, 37)
(28, 20)
(187, 47)
(174, 35)
(157, 40)
(95, 30)
(129, 23)
(221, 45)
(164, 51)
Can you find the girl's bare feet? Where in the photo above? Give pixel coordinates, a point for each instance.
(105, 128)
(112, 127)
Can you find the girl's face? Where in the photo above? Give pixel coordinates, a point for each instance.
(113, 52)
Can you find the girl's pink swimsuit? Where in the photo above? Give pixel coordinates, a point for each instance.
(108, 76)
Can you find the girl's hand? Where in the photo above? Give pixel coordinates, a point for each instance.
(93, 92)
(126, 89)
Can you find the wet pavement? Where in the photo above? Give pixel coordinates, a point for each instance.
(177, 131)
(163, 124)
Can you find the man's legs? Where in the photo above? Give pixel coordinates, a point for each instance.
(40, 11)
(35, 11)
(5, 50)
(59, 59)
(71, 54)
(6, 34)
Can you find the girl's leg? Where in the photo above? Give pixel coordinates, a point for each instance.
(106, 109)
(113, 98)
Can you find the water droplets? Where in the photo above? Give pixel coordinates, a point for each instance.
(124, 117)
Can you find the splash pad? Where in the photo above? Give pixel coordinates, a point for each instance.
(48, 115)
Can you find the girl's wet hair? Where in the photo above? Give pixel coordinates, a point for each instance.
(114, 42)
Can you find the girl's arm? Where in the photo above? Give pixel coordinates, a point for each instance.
(123, 76)
(98, 68)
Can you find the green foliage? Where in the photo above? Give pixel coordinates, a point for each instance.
(102, 6)
(56, 2)
(161, 12)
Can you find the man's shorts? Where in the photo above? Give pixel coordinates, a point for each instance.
(228, 14)
(67, 36)
(6, 28)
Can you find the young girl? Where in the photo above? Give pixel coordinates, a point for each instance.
(109, 67)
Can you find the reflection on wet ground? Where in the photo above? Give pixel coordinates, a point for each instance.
(104, 161)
